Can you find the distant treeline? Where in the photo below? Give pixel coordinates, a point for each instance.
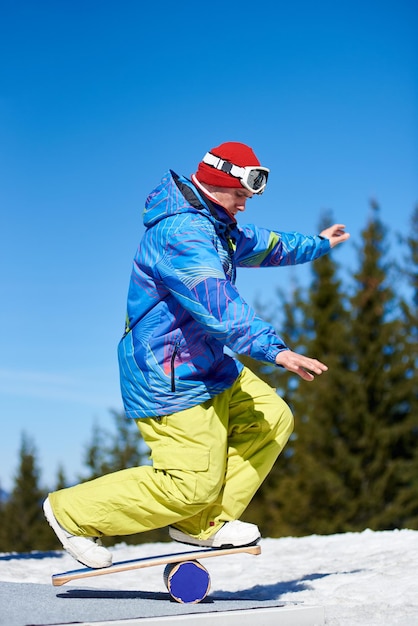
(352, 462)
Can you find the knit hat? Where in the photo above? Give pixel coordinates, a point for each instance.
(232, 151)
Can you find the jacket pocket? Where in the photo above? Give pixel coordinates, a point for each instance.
(181, 470)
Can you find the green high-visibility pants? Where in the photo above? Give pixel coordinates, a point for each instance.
(207, 463)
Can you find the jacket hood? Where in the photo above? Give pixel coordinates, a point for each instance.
(168, 198)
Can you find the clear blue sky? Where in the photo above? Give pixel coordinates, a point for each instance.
(99, 98)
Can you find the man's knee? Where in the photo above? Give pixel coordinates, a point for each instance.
(287, 421)
(282, 421)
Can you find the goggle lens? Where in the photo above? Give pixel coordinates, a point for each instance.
(257, 179)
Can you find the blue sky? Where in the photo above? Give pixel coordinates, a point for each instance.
(99, 99)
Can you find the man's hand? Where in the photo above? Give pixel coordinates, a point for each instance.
(301, 365)
(336, 234)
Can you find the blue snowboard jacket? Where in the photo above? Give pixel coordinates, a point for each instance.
(183, 306)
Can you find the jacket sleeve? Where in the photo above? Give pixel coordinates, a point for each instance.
(191, 270)
(260, 247)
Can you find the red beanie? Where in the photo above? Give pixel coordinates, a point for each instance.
(232, 151)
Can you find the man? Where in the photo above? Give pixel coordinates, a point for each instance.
(213, 427)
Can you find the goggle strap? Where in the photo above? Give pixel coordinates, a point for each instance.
(223, 166)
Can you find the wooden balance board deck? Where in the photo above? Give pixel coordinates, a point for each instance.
(150, 561)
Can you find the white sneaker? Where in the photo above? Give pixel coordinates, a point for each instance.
(232, 535)
(83, 549)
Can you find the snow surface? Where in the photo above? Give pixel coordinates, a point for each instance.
(367, 579)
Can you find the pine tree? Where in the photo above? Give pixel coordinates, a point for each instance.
(23, 526)
(408, 500)
(383, 427)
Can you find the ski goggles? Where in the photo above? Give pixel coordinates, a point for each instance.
(254, 178)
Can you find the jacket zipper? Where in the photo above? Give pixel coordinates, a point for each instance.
(173, 358)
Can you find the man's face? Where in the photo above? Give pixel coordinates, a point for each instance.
(232, 199)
